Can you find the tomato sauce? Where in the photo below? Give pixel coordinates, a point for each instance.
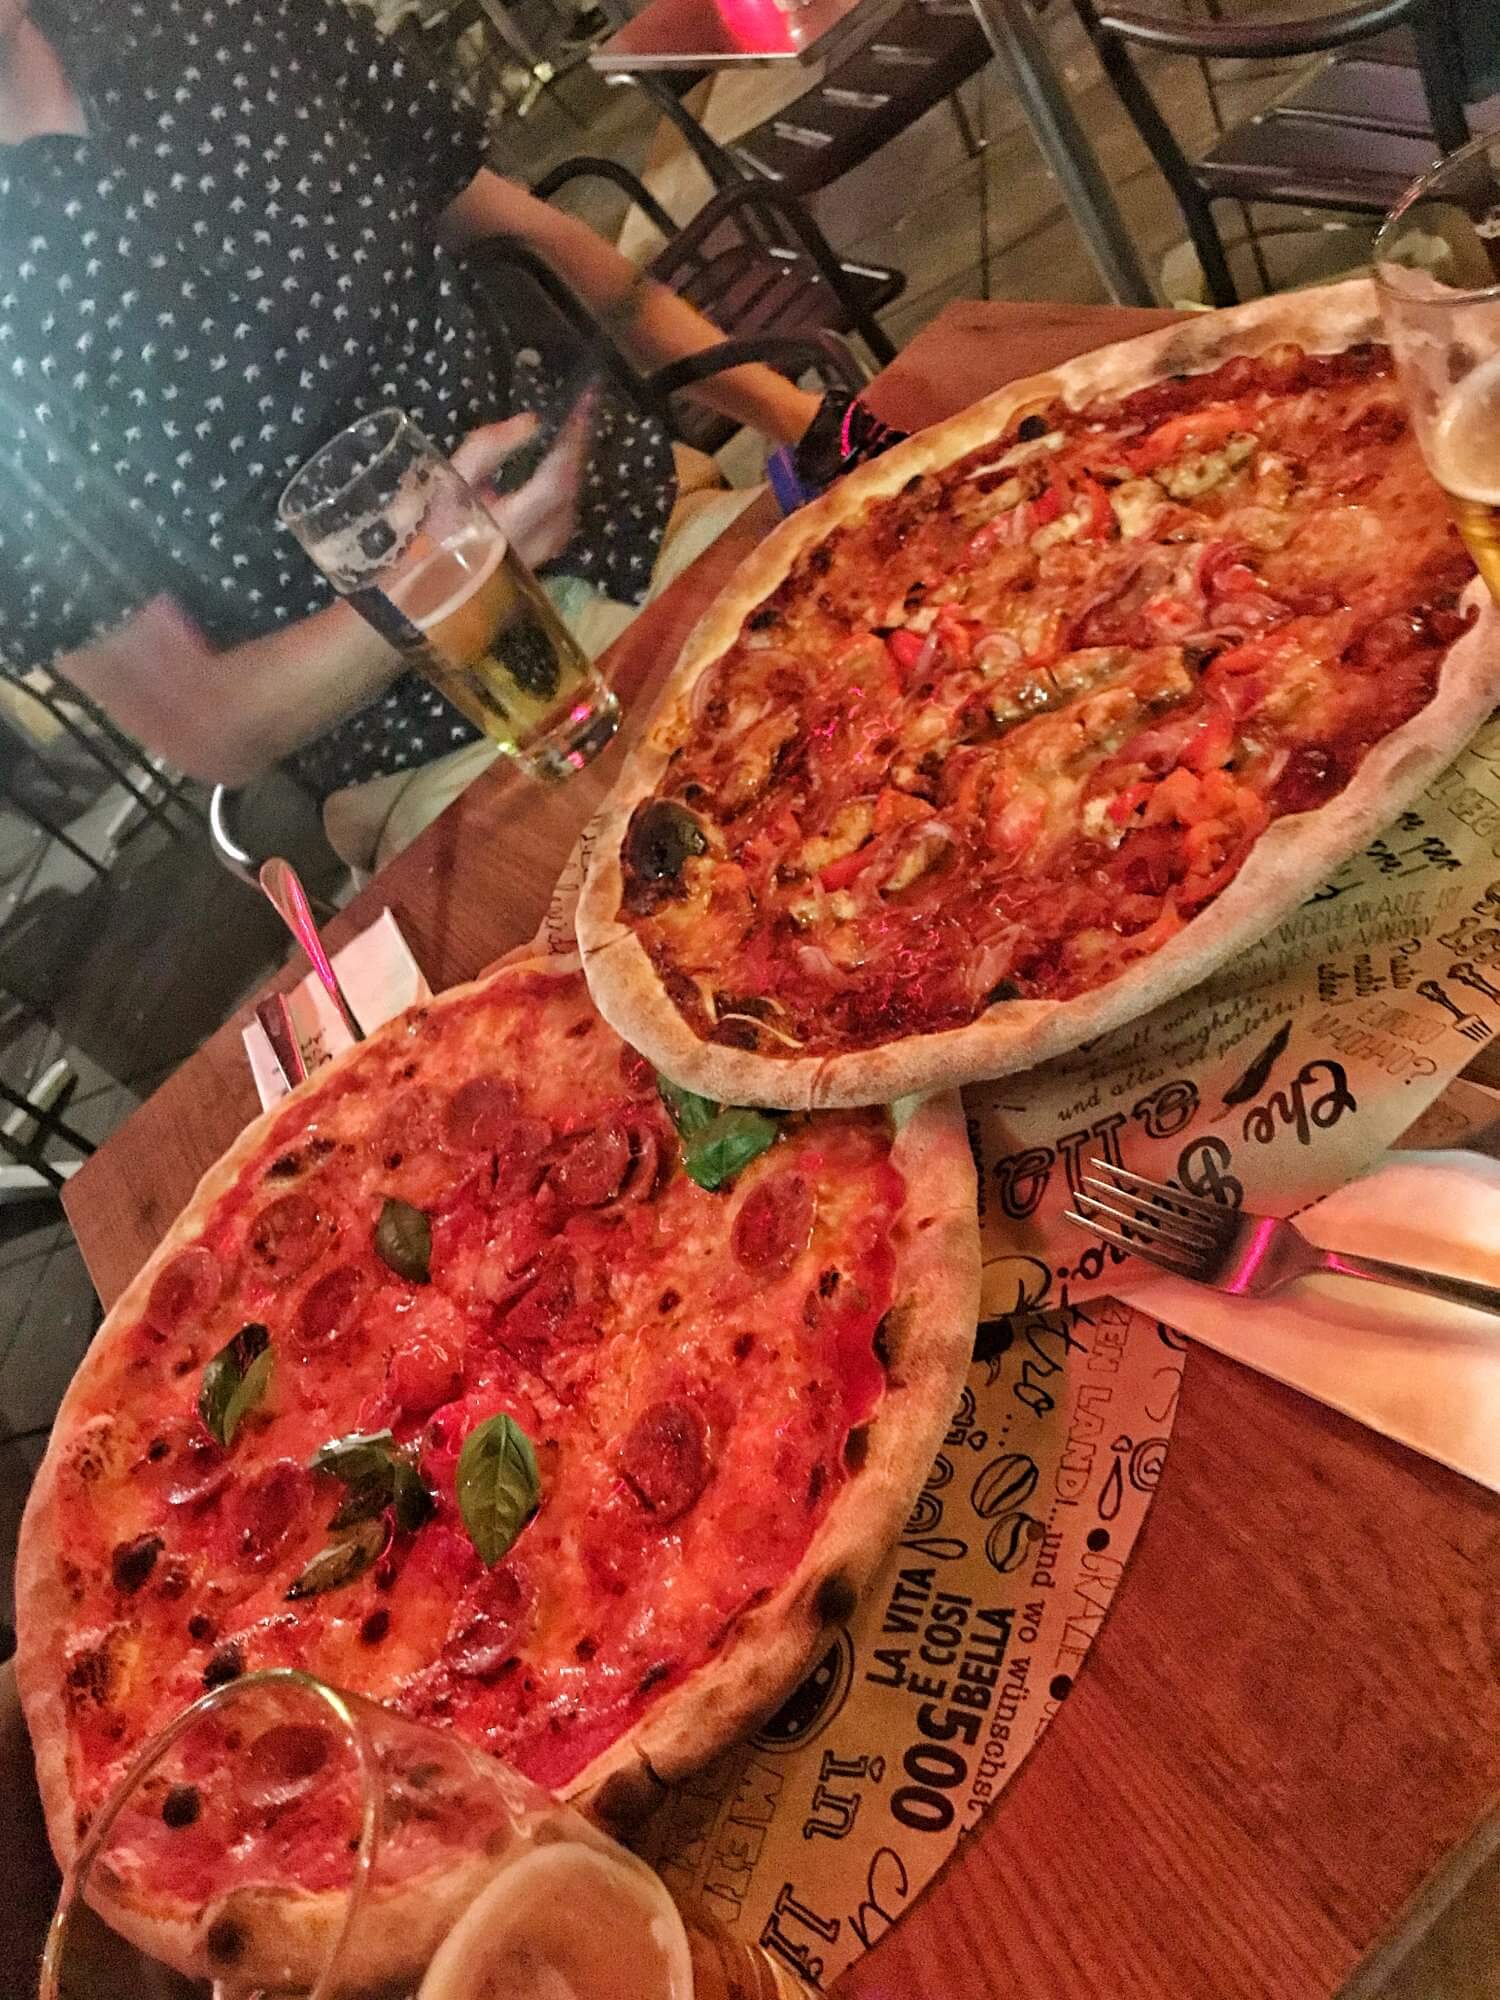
(1019, 722)
(688, 1367)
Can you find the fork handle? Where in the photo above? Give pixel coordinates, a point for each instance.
(1437, 1284)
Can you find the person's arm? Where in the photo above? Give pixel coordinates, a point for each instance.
(226, 716)
(650, 322)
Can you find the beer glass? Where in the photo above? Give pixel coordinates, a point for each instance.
(326, 1848)
(1437, 271)
(418, 554)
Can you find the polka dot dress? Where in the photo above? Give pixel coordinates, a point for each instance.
(236, 261)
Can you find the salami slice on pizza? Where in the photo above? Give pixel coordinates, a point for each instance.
(483, 1377)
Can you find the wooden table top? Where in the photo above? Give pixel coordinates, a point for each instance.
(1291, 1719)
(729, 34)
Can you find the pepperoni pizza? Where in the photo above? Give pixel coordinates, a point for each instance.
(497, 1378)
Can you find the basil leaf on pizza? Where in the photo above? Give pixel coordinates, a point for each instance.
(376, 1473)
(235, 1381)
(341, 1562)
(688, 1111)
(362, 1456)
(498, 1485)
(403, 1240)
(361, 1503)
(249, 1392)
(726, 1145)
(411, 1502)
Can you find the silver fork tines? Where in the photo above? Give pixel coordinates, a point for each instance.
(1182, 1232)
(1230, 1248)
(1183, 1266)
(1135, 1209)
(1142, 1235)
(1165, 1191)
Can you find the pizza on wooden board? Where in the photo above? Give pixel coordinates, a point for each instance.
(1033, 722)
(491, 1378)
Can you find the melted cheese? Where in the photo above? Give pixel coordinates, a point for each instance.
(1252, 524)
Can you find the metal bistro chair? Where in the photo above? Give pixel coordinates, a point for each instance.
(759, 267)
(922, 54)
(31, 1119)
(1349, 137)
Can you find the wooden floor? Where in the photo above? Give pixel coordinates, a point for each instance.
(987, 226)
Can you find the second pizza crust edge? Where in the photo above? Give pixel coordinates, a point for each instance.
(1291, 859)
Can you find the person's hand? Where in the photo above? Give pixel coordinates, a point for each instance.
(541, 517)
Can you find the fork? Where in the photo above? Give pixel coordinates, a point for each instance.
(1247, 1255)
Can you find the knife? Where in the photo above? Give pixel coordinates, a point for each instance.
(275, 1018)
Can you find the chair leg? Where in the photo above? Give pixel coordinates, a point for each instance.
(542, 73)
(1209, 245)
(173, 784)
(1012, 32)
(53, 828)
(154, 808)
(29, 1160)
(39, 1113)
(967, 138)
(844, 361)
(1257, 249)
(865, 324)
(722, 168)
(974, 144)
(1440, 61)
(506, 27)
(1161, 143)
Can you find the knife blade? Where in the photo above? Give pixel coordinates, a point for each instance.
(275, 1018)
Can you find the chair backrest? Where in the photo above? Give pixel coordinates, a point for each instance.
(1477, 32)
(1441, 55)
(912, 61)
(732, 273)
(754, 261)
(1291, 161)
(707, 261)
(756, 264)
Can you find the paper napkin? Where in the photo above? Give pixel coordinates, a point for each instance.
(1412, 1367)
(379, 977)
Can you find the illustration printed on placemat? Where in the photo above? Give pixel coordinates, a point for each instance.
(814, 1837)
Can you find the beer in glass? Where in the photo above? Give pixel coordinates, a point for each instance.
(416, 551)
(1437, 271)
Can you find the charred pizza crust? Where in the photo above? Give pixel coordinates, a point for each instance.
(928, 1338)
(1289, 860)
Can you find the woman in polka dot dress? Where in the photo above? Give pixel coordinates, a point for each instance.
(228, 227)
